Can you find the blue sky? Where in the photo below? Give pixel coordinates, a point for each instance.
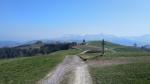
(43, 19)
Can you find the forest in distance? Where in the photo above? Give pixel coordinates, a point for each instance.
(37, 48)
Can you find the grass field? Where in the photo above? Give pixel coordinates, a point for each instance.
(135, 70)
(28, 70)
(112, 47)
(116, 50)
(136, 73)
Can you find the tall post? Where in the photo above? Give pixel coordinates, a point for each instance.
(103, 47)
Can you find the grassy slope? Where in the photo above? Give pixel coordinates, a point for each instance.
(28, 70)
(116, 47)
(134, 73)
(115, 50)
(137, 73)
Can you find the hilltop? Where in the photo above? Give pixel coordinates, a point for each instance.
(117, 58)
(34, 49)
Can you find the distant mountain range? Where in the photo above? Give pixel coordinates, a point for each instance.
(139, 40)
(9, 43)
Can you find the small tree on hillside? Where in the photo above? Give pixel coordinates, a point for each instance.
(38, 42)
(83, 42)
(135, 45)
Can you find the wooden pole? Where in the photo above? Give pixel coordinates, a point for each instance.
(103, 47)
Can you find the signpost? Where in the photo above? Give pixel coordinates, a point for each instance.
(103, 47)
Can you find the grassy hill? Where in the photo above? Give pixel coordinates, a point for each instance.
(115, 47)
(120, 64)
(35, 49)
(28, 70)
(30, 46)
(134, 73)
(116, 50)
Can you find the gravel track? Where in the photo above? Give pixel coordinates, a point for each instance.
(73, 65)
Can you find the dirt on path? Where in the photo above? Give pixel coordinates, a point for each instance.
(82, 75)
(118, 61)
(71, 65)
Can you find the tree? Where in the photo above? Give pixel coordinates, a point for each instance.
(39, 42)
(83, 42)
(135, 45)
(29, 51)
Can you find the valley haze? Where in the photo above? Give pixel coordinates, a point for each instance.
(123, 40)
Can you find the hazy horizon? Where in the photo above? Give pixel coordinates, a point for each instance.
(38, 19)
(68, 36)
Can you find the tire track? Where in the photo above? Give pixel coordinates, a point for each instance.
(82, 75)
(73, 65)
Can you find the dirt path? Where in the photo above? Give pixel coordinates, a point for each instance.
(118, 61)
(71, 65)
(82, 75)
